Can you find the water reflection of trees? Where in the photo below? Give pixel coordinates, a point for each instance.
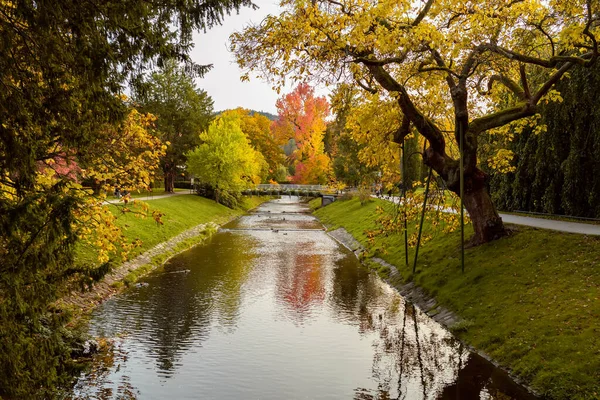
(177, 309)
(299, 280)
(414, 358)
(182, 314)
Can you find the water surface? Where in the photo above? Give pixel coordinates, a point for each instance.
(273, 308)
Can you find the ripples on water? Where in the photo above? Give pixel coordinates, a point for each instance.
(273, 308)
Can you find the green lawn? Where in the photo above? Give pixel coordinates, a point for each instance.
(531, 300)
(181, 212)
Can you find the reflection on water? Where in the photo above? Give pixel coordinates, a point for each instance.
(274, 308)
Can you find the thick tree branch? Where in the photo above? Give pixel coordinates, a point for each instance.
(589, 34)
(423, 124)
(471, 61)
(509, 83)
(403, 131)
(501, 118)
(550, 82)
(546, 63)
(380, 62)
(524, 84)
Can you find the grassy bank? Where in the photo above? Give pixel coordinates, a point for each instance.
(181, 212)
(531, 300)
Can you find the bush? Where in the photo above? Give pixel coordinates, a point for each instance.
(205, 190)
(183, 185)
(346, 196)
(364, 195)
(229, 199)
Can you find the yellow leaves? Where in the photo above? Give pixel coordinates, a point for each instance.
(553, 95)
(128, 154)
(501, 161)
(157, 216)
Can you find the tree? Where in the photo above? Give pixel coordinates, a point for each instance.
(257, 128)
(39, 231)
(550, 168)
(340, 144)
(183, 112)
(226, 161)
(62, 66)
(302, 118)
(432, 59)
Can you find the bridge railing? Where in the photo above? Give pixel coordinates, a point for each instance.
(285, 186)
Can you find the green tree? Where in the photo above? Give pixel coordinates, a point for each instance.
(183, 112)
(257, 128)
(341, 146)
(62, 66)
(226, 161)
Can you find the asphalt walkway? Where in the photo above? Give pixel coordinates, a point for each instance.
(553, 224)
(149, 198)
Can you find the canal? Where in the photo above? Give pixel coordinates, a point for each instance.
(273, 308)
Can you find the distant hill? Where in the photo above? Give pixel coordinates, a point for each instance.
(272, 117)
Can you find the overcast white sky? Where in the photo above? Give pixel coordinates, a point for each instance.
(223, 82)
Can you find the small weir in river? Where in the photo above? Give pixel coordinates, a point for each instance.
(273, 308)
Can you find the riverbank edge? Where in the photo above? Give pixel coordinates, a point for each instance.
(417, 296)
(81, 303)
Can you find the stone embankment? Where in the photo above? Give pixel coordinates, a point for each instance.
(417, 296)
(83, 302)
(409, 291)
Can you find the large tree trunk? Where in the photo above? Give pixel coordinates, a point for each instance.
(486, 221)
(487, 224)
(169, 173)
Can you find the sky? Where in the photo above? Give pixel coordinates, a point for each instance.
(223, 83)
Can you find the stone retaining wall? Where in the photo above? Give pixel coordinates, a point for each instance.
(409, 291)
(84, 302)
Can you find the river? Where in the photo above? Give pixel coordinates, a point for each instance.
(273, 308)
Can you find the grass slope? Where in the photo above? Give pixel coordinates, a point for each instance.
(181, 212)
(531, 300)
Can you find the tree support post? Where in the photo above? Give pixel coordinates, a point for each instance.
(404, 202)
(462, 192)
(422, 219)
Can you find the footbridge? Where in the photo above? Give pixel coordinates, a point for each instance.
(293, 190)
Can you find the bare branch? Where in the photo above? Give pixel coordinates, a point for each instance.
(368, 88)
(440, 62)
(541, 29)
(423, 13)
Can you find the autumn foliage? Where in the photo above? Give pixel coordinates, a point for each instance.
(454, 70)
(302, 120)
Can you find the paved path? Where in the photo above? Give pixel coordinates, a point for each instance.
(149, 198)
(542, 223)
(555, 225)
